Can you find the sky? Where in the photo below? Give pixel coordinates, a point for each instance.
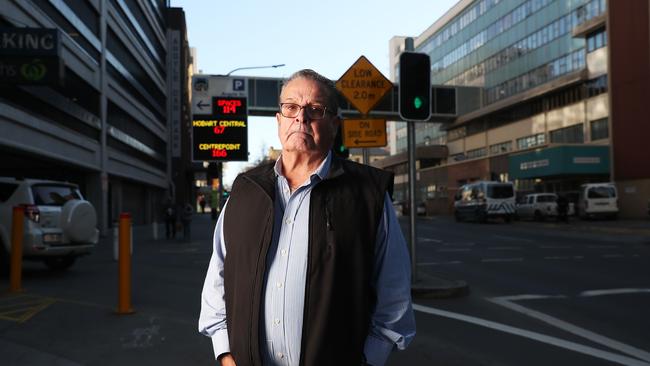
(327, 36)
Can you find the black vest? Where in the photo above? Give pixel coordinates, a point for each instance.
(344, 214)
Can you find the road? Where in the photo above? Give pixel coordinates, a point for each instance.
(540, 294)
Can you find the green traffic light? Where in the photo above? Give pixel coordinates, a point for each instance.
(417, 102)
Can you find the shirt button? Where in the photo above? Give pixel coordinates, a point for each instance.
(284, 252)
(288, 221)
(280, 355)
(276, 321)
(279, 284)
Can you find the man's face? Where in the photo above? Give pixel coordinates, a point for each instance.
(303, 133)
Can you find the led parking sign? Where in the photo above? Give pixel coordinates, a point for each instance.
(222, 135)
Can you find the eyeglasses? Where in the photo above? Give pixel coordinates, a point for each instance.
(291, 110)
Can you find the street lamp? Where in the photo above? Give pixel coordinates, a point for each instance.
(255, 67)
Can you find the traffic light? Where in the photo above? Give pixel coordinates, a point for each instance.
(338, 148)
(414, 86)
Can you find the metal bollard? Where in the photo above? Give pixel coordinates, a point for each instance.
(124, 265)
(17, 232)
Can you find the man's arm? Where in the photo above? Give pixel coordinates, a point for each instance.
(212, 319)
(392, 322)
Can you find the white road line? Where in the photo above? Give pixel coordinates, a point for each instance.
(615, 291)
(438, 263)
(581, 332)
(429, 239)
(468, 244)
(529, 297)
(511, 238)
(590, 351)
(454, 250)
(504, 248)
(491, 260)
(612, 255)
(564, 257)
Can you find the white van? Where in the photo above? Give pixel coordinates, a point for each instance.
(598, 200)
(484, 200)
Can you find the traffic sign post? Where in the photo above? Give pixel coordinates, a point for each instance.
(364, 133)
(363, 85)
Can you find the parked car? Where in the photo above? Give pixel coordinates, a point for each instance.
(598, 200)
(402, 208)
(59, 225)
(538, 206)
(483, 200)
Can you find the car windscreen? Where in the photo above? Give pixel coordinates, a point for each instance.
(54, 195)
(601, 192)
(500, 191)
(546, 198)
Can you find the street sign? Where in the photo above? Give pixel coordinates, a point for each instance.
(221, 134)
(363, 85)
(364, 133)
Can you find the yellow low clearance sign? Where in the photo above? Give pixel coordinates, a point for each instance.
(364, 133)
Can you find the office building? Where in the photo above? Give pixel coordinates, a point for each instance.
(563, 86)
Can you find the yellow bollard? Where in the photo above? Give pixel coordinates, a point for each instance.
(124, 265)
(17, 232)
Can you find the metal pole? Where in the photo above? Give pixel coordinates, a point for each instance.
(408, 46)
(366, 156)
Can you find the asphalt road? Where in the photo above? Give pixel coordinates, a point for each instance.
(540, 294)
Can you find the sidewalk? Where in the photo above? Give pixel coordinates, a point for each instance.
(68, 318)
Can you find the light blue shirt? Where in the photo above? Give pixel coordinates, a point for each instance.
(392, 322)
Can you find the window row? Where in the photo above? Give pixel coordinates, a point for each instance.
(460, 23)
(531, 141)
(558, 67)
(596, 40)
(543, 36)
(501, 25)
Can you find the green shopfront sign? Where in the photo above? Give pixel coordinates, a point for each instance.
(559, 160)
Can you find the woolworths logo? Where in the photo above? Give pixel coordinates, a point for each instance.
(33, 71)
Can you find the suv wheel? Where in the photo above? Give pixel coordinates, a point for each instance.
(59, 263)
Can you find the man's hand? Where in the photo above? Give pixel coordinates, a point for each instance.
(227, 360)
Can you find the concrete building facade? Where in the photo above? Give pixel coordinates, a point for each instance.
(104, 124)
(561, 100)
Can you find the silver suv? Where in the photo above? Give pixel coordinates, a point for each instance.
(59, 225)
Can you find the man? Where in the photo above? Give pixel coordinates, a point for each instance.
(309, 264)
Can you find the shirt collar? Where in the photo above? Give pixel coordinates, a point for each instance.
(322, 171)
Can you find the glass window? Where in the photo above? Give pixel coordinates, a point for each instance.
(54, 195)
(601, 192)
(599, 129)
(500, 191)
(572, 134)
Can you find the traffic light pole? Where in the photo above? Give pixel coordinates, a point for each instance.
(410, 128)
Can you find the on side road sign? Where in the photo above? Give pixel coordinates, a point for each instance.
(363, 85)
(364, 133)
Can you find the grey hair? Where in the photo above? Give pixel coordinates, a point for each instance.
(330, 87)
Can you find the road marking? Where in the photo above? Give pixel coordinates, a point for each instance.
(615, 291)
(564, 257)
(572, 346)
(581, 332)
(511, 238)
(461, 244)
(454, 250)
(429, 239)
(490, 260)
(21, 308)
(612, 255)
(529, 297)
(438, 263)
(504, 248)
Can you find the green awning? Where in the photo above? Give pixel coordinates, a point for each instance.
(559, 160)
